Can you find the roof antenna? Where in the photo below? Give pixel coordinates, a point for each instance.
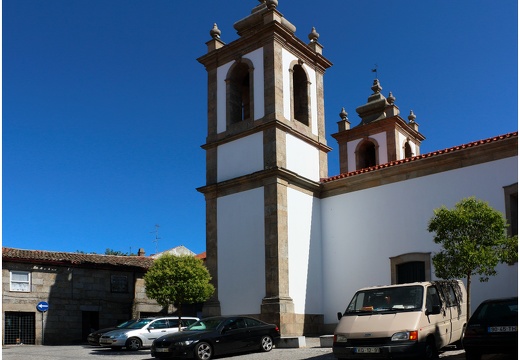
(156, 240)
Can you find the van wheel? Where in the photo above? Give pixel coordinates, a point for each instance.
(133, 344)
(430, 350)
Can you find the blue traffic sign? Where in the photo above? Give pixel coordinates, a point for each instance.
(42, 306)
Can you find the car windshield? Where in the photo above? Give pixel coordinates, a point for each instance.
(204, 325)
(126, 323)
(393, 299)
(504, 310)
(139, 324)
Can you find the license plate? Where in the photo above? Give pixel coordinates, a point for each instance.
(162, 349)
(493, 329)
(366, 350)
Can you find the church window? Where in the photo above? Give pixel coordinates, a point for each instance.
(407, 150)
(239, 93)
(300, 94)
(410, 267)
(366, 155)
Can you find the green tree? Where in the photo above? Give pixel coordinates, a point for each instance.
(178, 280)
(474, 240)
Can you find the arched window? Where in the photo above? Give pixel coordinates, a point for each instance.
(239, 93)
(300, 94)
(407, 150)
(366, 155)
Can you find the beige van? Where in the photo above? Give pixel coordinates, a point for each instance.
(412, 320)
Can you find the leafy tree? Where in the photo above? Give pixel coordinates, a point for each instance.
(116, 252)
(177, 280)
(474, 240)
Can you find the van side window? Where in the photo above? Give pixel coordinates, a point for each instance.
(452, 299)
(432, 298)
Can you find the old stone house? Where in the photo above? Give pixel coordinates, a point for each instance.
(83, 292)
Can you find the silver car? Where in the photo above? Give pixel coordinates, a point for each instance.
(142, 333)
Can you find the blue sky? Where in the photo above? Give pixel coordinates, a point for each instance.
(104, 103)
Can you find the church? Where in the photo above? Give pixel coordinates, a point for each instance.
(287, 242)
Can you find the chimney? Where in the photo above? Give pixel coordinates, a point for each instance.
(140, 252)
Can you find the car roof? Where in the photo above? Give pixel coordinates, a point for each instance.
(505, 299)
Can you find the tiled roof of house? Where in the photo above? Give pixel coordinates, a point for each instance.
(424, 156)
(54, 257)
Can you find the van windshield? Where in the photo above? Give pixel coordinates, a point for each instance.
(391, 299)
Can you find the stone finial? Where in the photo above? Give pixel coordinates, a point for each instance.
(271, 4)
(390, 98)
(412, 117)
(376, 87)
(313, 36)
(343, 114)
(215, 32)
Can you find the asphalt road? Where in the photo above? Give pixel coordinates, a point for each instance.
(84, 352)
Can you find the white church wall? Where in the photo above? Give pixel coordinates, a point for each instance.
(240, 157)
(304, 228)
(241, 249)
(302, 158)
(287, 59)
(222, 72)
(256, 57)
(313, 100)
(363, 229)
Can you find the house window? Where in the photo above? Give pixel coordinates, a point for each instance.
(511, 200)
(20, 281)
(366, 155)
(239, 92)
(300, 94)
(119, 284)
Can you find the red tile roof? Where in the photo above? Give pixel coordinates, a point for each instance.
(39, 256)
(424, 156)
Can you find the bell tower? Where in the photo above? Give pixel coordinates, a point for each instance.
(265, 155)
(382, 135)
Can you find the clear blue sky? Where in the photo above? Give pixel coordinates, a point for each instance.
(104, 103)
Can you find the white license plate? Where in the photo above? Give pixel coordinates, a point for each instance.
(366, 350)
(493, 329)
(162, 349)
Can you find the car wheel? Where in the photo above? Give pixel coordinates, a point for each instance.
(267, 343)
(430, 350)
(472, 356)
(133, 344)
(203, 351)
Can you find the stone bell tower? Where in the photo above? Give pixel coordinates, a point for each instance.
(382, 135)
(265, 154)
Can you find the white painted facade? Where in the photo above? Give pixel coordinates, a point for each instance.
(241, 237)
(302, 158)
(240, 157)
(363, 229)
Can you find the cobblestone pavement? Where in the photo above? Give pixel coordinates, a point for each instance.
(312, 351)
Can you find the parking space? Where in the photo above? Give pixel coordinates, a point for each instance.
(85, 352)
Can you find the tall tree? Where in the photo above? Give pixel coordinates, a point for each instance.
(178, 280)
(474, 240)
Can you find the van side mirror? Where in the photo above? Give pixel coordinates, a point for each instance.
(340, 315)
(436, 309)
